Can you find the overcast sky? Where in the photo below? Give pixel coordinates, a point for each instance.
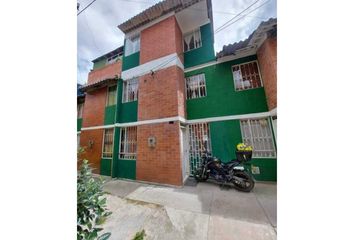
(98, 32)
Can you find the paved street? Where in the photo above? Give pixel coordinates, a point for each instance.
(202, 212)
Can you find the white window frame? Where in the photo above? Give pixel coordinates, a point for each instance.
(132, 45)
(252, 138)
(244, 63)
(107, 98)
(125, 94)
(194, 32)
(196, 145)
(199, 77)
(120, 153)
(103, 153)
(80, 110)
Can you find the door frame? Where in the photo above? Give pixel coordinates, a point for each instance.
(184, 140)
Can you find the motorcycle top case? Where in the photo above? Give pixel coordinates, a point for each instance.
(244, 156)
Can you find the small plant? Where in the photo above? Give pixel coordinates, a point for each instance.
(140, 235)
(91, 204)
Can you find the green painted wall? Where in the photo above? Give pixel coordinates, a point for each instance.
(125, 169)
(122, 112)
(222, 99)
(203, 54)
(109, 114)
(131, 61)
(224, 137)
(122, 168)
(106, 166)
(79, 124)
(99, 64)
(126, 112)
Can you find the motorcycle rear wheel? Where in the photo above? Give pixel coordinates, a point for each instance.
(247, 185)
(198, 175)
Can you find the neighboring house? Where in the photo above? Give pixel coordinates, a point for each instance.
(80, 108)
(151, 109)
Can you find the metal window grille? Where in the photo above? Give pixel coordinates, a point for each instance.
(258, 134)
(128, 143)
(108, 143)
(195, 86)
(113, 59)
(192, 40)
(130, 90)
(199, 141)
(112, 93)
(80, 108)
(132, 45)
(246, 76)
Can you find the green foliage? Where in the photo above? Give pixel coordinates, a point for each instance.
(140, 235)
(91, 204)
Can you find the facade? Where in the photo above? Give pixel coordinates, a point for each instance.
(153, 105)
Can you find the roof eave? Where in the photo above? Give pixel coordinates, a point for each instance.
(158, 10)
(120, 49)
(98, 84)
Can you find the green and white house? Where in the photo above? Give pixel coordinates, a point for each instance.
(226, 104)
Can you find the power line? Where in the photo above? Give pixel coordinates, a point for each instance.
(86, 7)
(149, 3)
(219, 29)
(238, 14)
(225, 26)
(92, 35)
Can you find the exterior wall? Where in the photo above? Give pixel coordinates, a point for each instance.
(94, 153)
(122, 168)
(110, 114)
(79, 124)
(99, 64)
(108, 71)
(126, 112)
(94, 108)
(109, 119)
(224, 137)
(267, 59)
(222, 99)
(130, 61)
(161, 164)
(203, 54)
(160, 40)
(160, 95)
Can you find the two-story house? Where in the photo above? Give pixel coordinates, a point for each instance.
(153, 105)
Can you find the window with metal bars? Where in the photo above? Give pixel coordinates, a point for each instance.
(108, 143)
(112, 95)
(130, 90)
(192, 40)
(128, 143)
(113, 59)
(195, 86)
(80, 108)
(246, 76)
(199, 141)
(258, 134)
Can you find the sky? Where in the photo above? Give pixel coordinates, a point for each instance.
(97, 31)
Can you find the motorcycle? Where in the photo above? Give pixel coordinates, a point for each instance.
(230, 172)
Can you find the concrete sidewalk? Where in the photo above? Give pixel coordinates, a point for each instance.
(202, 212)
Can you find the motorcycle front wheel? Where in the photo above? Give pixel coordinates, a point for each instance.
(198, 175)
(247, 183)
